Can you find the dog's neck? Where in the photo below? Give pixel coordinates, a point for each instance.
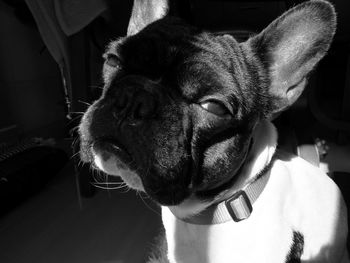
(258, 159)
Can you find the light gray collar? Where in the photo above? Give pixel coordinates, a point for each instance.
(237, 207)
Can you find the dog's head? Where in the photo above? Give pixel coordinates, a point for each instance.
(179, 105)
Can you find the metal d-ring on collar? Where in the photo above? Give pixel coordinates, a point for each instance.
(238, 206)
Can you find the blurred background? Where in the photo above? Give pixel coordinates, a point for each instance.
(51, 209)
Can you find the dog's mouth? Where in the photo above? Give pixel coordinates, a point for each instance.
(169, 188)
(106, 147)
(111, 157)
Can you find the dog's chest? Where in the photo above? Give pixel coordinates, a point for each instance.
(290, 207)
(248, 241)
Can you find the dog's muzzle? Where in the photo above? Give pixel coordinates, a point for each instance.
(112, 159)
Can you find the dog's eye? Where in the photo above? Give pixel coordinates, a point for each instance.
(215, 107)
(112, 60)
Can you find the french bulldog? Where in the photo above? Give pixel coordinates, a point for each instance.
(185, 116)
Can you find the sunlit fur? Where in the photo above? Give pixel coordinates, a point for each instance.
(111, 165)
(265, 142)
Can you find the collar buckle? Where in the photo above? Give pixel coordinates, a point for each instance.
(239, 206)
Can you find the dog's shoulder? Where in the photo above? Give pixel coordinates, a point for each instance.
(300, 170)
(313, 204)
(308, 184)
(306, 177)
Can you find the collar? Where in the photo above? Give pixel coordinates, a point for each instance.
(238, 206)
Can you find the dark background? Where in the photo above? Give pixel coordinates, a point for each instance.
(31, 94)
(49, 211)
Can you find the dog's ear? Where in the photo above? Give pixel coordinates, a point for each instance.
(292, 45)
(145, 12)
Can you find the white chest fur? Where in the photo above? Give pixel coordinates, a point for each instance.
(252, 240)
(298, 197)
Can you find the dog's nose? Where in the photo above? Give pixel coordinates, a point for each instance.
(135, 104)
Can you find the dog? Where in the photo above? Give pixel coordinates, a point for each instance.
(185, 116)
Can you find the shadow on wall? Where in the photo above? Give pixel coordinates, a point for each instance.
(31, 92)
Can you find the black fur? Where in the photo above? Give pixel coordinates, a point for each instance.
(296, 249)
(157, 80)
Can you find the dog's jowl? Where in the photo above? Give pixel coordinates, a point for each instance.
(185, 117)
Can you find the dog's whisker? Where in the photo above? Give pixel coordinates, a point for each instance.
(96, 87)
(80, 163)
(110, 183)
(96, 175)
(78, 112)
(76, 138)
(107, 183)
(74, 155)
(108, 187)
(72, 130)
(126, 190)
(84, 102)
(75, 118)
(92, 171)
(105, 178)
(100, 180)
(146, 204)
(75, 145)
(113, 184)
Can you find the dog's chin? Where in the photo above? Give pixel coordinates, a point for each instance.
(182, 201)
(110, 164)
(111, 158)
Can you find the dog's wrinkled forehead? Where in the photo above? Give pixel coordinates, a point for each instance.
(179, 55)
(153, 50)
